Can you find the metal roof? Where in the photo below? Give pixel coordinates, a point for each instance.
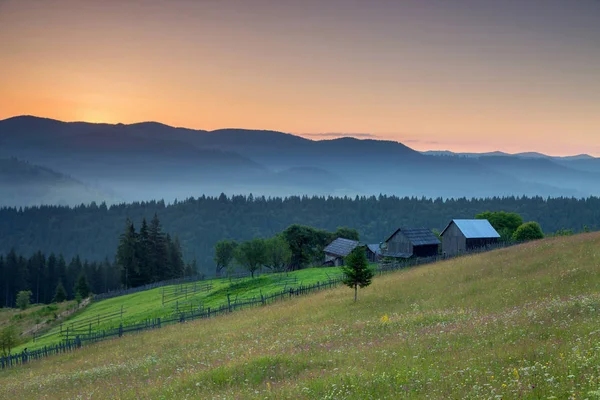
(341, 247)
(474, 228)
(418, 236)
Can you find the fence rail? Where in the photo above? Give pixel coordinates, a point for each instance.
(150, 286)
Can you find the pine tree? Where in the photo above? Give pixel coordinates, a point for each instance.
(356, 271)
(60, 294)
(82, 288)
(176, 265)
(144, 255)
(126, 254)
(158, 250)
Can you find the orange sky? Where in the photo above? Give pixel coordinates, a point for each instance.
(470, 76)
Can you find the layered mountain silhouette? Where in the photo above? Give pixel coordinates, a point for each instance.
(154, 161)
(25, 184)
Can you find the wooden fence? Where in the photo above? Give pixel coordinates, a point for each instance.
(76, 339)
(178, 292)
(123, 292)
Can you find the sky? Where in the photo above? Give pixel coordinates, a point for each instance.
(463, 75)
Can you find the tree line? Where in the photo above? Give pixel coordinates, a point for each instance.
(149, 255)
(93, 231)
(50, 278)
(145, 256)
(298, 246)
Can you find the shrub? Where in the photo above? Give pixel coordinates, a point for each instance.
(528, 231)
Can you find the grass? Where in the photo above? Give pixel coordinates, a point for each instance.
(148, 304)
(37, 316)
(514, 323)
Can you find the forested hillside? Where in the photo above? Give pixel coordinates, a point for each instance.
(93, 231)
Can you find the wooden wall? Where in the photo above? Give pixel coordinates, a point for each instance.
(453, 241)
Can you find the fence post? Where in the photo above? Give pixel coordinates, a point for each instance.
(228, 302)
(121, 329)
(158, 321)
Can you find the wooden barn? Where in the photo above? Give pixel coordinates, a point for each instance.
(409, 242)
(462, 235)
(337, 250)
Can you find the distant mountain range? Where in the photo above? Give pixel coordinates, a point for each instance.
(116, 163)
(501, 153)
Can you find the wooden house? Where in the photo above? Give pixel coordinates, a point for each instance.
(409, 242)
(337, 250)
(463, 235)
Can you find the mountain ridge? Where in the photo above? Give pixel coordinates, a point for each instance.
(151, 160)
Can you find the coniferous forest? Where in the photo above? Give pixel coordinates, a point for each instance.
(93, 232)
(142, 256)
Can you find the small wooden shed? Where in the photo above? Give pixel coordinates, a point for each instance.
(373, 252)
(463, 235)
(417, 242)
(337, 250)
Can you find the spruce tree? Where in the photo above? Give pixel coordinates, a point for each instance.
(60, 294)
(126, 254)
(158, 250)
(144, 255)
(357, 272)
(82, 287)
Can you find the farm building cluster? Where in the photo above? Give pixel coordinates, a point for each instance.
(459, 236)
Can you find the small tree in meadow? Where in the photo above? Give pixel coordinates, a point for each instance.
(60, 294)
(224, 254)
(357, 272)
(278, 254)
(251, 255)
(8, 339)
(82, 287)
(24, 299)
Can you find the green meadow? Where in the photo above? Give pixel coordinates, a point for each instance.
(516, 323)
(149, 304)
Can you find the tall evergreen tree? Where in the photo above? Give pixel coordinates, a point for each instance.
(144, 255)
(82, 288)
(51, 281)
(36, 273)
(126, 255)
(175, 263)
(158, 250)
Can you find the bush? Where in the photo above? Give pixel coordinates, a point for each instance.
(8, 339)
(528, 231)
(24, 299)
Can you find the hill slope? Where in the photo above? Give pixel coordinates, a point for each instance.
(515, 323)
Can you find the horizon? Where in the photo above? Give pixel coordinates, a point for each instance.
(318, 137)
(468, 76)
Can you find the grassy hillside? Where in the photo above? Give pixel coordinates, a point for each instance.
(515, 323)
(35, 318)
(149, 304)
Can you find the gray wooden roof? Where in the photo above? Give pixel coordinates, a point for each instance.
(418, 236)
(341, 247)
